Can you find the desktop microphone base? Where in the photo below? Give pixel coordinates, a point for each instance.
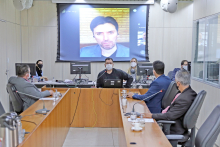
(129, 113)
(42, 111)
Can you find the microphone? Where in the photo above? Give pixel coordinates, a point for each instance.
(99, 77)
(47, 84)
(40, 111)
(145, 99)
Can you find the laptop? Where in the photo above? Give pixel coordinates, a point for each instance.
(112, 83)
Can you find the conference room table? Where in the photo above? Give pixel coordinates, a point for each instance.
(88, 107)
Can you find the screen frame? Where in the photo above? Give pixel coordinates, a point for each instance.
(58, 30)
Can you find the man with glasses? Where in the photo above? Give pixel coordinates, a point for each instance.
(180, 104)
(184, 65)
(112, 73)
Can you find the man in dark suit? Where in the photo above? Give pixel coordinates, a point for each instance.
(179, 106)
(162, 82)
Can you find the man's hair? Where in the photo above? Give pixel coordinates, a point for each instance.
(22, 70)
(159, 67)
(182, 62)
(183, 76)
(38, 61)
(108, 59)
(102, 20)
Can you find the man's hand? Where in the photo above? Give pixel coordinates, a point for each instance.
(148, 115)
(130, 94)
(51, 92)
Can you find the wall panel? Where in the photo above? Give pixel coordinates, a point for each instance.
(3, 66)
(2, 9)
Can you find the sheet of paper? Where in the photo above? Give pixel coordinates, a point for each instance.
(146, 120)
(50, 99)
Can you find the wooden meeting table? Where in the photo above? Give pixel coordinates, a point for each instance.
(87, 107)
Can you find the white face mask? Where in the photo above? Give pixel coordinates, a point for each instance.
(185, 67)
(29, 75)
(133, 64)
(108, 66)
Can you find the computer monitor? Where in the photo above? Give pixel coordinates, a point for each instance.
(145, 69)
(31, 65)
(113, 83)
(80, 68)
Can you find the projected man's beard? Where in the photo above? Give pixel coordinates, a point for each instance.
(107, 45)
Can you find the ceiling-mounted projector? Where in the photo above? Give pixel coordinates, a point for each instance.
(22, 4)
(169, 5)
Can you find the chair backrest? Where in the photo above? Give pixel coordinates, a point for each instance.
(170, 74)
(209, 131)
(168, 97)
(2, 110)
(15, 98)
(192, 114)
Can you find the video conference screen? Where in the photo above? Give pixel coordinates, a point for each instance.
(95, 32)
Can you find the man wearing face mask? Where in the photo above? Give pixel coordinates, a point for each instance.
(180, 105)
(184, 65)
(133, 69)
(23, 85)
(161, 82)
(39, 72)
(112, 73)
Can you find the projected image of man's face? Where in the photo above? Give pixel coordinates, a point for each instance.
(106, 35)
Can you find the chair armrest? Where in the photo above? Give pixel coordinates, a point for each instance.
(166, 122)
(175, 137)
(166, 125)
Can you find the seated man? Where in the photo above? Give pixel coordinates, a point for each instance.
(162, 82)
(180, 104)
(184, 65)
(23, 85)
(112, 73)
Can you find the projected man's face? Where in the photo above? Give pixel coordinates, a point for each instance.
(106, 35)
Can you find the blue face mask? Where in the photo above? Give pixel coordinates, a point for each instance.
(185, 67)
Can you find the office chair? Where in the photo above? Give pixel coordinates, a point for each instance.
(208, 132)
(15, 98)
(168, 97)
(189, 121)
(170, 74)
(2, 110)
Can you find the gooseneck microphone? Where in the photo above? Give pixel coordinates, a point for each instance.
(99, 76)
(47, 84)
(40, 111)
(129, 113)
(147, 98)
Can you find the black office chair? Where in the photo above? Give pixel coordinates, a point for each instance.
(208, 132)
(210, 129)
(170, 74)
(15, 98)
(2, 110)
(189, 121)
(170, 94)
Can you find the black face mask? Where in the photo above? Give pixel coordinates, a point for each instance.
(40, 65)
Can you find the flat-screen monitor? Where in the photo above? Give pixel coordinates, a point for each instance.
(112, 83)
(92, 32)
(145, 69)
(80, 68)
(31, 65)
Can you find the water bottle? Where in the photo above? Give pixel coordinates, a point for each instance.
(142, 121)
